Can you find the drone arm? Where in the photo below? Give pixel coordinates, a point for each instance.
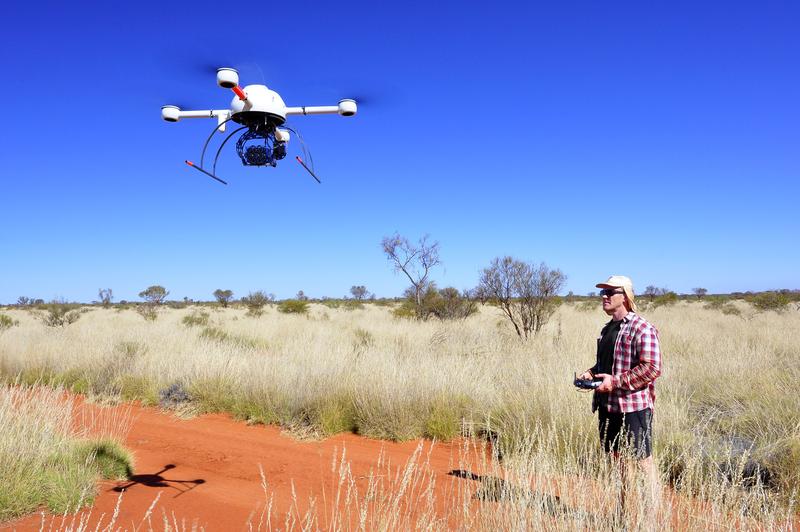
(204, 114)
(346, 107)
(171, 113)
(316, 110)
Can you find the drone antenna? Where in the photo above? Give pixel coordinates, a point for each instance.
(209, 174)
(239, 92)
(299, 160)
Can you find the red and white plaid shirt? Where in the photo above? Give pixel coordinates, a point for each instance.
(637, 364)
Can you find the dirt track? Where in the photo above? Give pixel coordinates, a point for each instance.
(206, 470)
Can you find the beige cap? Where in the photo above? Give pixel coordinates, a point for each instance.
(620, 281)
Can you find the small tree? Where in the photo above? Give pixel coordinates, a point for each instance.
(414, 260)
(700, 292)
(255, 303)
(154, 295)
(223, 297)
(525, 293)
(105, 295)
(653, 292)
(301, 296)
(358, 292)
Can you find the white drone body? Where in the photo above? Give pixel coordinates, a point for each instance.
(259, 109)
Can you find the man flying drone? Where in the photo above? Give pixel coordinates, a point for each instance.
(261, 112)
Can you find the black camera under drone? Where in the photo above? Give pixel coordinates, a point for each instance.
(260, 148)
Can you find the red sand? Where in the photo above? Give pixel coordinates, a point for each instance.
(207, 471)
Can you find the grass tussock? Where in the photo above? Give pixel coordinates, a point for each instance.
(45, 459)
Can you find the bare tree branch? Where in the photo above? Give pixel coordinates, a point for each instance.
(415, 261)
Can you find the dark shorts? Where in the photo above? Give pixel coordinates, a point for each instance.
(633, 432)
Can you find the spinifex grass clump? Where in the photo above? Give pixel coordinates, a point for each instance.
(196, 318)
(44, 460)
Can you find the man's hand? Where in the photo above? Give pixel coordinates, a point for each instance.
(586, 375)
(607, 385)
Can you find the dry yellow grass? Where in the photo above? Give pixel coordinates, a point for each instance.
(728, 383)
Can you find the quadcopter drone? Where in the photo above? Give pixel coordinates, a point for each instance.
(261, 114)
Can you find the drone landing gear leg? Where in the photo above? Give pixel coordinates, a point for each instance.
(209, 174)
(299, 160)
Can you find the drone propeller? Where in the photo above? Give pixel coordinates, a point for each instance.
(364, 99)
(183, 105)
(248, 70)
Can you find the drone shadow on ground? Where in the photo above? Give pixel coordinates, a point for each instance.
(156, 480)
(496, 489)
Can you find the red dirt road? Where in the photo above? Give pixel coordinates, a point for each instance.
(206, 470)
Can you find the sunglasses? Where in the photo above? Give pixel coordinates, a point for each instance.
(608, 292)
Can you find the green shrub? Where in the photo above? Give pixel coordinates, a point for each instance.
(60, 314)
(293, 306)
(449, 304)
(407, 310)
(6, 322)
(723, 305)
(730, 309)
(353, 304)
(148, 311)
(667, 299)
(331, 303)
(445, 304)
(766, 301)
(197, 317)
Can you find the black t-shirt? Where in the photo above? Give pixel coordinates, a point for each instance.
(605, 355)
(605, 347)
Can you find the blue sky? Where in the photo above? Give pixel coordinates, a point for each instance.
(658, 140)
